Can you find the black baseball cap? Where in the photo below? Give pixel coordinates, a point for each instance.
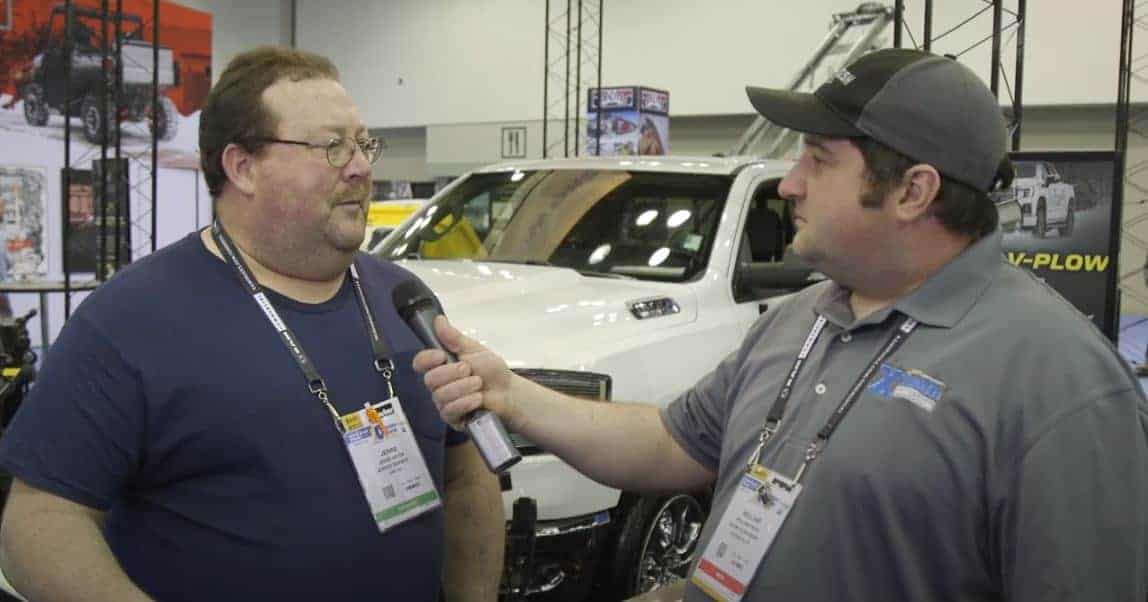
(929, 108)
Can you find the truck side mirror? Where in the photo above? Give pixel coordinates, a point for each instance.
(774, 275)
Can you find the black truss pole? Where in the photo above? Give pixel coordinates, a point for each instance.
(107, 100)
(928, 26)
(155, 109)
(69, 49)
(1124, 82)
(1124, 94)
(1018, 97)
(898, 21)
(578, 84)
(598, 129)
(995, 68)
(566, 90)
(546, 80)
(117, 206)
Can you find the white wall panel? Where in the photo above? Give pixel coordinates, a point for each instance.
(414, 62)
(419, 62)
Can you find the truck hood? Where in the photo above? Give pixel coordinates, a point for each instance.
(547, 316)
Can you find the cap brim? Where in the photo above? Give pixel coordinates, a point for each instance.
(800, 111)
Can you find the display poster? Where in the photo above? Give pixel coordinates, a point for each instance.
(39, 56)
(22, 205)
(86, 213)
(627, 120)
(1068, 229)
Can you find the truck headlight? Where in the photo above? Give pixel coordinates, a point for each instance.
(591, 386)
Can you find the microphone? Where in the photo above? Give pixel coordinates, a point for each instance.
(417, 307)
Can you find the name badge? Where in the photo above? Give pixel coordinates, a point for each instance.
(389, 463)
(759, 506)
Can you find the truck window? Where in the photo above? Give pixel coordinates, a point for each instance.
(653, 226)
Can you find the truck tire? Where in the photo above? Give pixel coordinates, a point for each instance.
(95, 120)
(35, 110)
(167, 120)
(656, 543)
(1041, 228)
(1069, 220)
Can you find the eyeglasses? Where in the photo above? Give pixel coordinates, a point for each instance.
(340, 151)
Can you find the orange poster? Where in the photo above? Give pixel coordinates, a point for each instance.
(35, 66)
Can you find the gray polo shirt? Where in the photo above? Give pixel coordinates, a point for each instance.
(1000, 454)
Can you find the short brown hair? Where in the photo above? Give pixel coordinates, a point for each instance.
(234, 110)
(960, 207)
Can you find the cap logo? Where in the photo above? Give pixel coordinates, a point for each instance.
(845, 77)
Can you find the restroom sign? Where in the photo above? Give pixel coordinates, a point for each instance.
(514, 143)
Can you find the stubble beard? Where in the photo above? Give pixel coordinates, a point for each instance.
(315, 253)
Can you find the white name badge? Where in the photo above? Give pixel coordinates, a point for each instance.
(389, 463)
(759, 506)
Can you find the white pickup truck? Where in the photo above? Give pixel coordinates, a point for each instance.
(611, 279)
(1045, 199)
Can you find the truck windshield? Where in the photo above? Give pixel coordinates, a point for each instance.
(1025, 170)
(652, 226)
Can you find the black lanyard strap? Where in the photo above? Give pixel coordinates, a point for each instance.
(315, 383)
(900, 334)
(382, 353)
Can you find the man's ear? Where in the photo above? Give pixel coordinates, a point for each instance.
(922, 182)
(239, 165)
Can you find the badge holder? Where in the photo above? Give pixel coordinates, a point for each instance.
(747, 528)
(389, 463)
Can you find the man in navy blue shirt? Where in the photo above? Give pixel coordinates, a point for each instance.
(195, 432)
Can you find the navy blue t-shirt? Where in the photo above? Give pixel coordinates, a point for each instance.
(170, 402)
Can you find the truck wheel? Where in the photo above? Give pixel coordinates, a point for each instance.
(95, 120)
(657, 543)
(35, 111)
(1041, 229)
(1069, 220)
(167, 120)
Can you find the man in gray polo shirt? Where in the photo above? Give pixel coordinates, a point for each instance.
(944, 426)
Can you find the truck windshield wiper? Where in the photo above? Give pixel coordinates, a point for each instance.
(593, 274)
(541, 262)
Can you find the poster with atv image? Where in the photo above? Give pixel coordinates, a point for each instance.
(1067, 233)
(40, 53)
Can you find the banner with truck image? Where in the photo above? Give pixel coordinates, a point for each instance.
(1068, 228)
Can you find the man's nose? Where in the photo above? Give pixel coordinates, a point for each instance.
(792, 186)
(359, 167)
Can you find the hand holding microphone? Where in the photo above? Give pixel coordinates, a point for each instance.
(462, 390)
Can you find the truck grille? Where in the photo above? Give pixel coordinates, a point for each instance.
(586, 385)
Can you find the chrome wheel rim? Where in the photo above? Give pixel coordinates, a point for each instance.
(670, 543)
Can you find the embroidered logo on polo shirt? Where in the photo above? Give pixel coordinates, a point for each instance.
(845, 77)
(912, 386)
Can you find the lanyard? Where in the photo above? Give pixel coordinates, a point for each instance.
(315, 383)
(902, 332)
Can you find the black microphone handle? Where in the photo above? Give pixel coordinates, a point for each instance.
(485, 428)
(421, 321)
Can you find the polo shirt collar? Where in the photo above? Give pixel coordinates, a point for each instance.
(941, 301)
